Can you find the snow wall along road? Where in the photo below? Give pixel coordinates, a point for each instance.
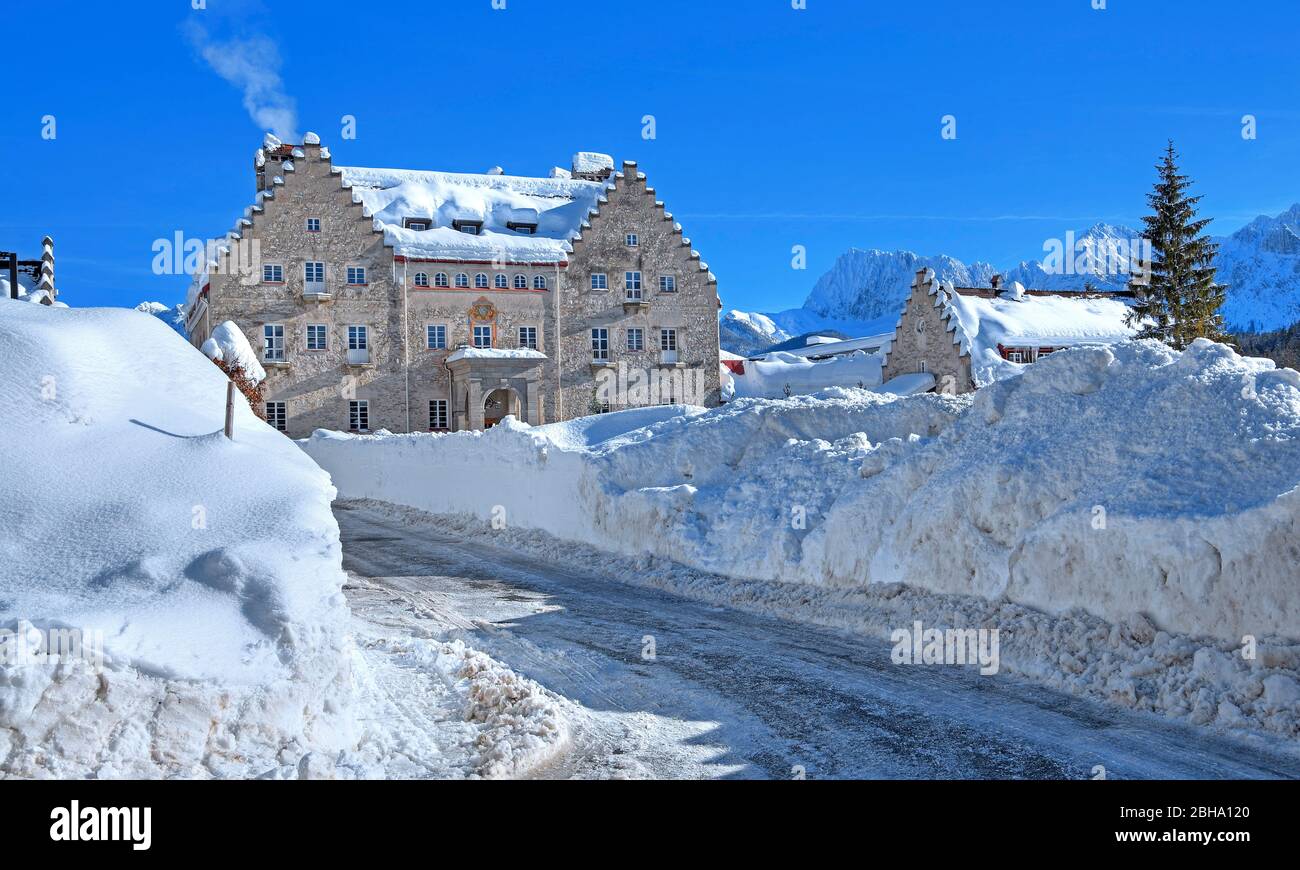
(1122, 480)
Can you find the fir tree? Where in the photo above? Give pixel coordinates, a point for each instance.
(1179, 300)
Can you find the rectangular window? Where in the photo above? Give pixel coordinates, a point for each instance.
(636, 338)
(316, 336)
(668, 346)
(313, 225)
(632, 281)
(482, 335)
(358, 338)
(417, 225)
(273, 342)
(359, 416)
(438, 414)
(600, 345)
(599, 281)
(528, 337)
(667, 284)
(356, 274)
(275, 415)
(273, 273)
(632, 240)
(435, 335)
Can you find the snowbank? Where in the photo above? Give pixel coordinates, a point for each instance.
(1122, 481)
(210, 568)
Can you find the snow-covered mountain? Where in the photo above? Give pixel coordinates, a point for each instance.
(870, 285)
(1103, 257)
(174, 316)
(1260, 263)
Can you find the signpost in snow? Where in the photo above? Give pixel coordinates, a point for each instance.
(230, 410)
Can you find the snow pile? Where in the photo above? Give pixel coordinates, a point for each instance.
(209, 567)
(229, 344)
(783, 374)
(1121, 481)
(462, 714)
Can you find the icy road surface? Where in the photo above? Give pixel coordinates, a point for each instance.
(732, 694)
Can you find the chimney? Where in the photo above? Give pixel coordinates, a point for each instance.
(592, 166)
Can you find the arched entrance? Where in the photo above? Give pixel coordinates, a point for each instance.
(499, 403)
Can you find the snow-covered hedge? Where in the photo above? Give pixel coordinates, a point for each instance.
(211, 567)
(1121, 481)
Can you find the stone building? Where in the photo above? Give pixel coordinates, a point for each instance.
(963, 338)
(414, 300)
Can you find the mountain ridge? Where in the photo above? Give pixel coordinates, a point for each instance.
(865, 288)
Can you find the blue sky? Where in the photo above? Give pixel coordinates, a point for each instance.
(774, 126)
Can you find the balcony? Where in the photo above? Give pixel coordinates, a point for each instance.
(358, 356)
(315, 291)
(668, 357)
(633, 301)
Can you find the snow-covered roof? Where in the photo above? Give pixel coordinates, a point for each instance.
(495, 353)
(558, 207)
(782, 373)
(1041, 321)
(980, 321)
(823, 346)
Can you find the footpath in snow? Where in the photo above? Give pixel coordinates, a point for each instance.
(1125, 516)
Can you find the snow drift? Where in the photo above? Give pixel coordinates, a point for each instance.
(1122, 481)
(211, 567)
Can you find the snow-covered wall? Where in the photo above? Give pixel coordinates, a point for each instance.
(1125, 480)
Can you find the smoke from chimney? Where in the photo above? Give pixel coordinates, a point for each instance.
(251, 64)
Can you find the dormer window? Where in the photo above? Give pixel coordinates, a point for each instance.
(472, 228)
(526, 229)
(417, 223)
